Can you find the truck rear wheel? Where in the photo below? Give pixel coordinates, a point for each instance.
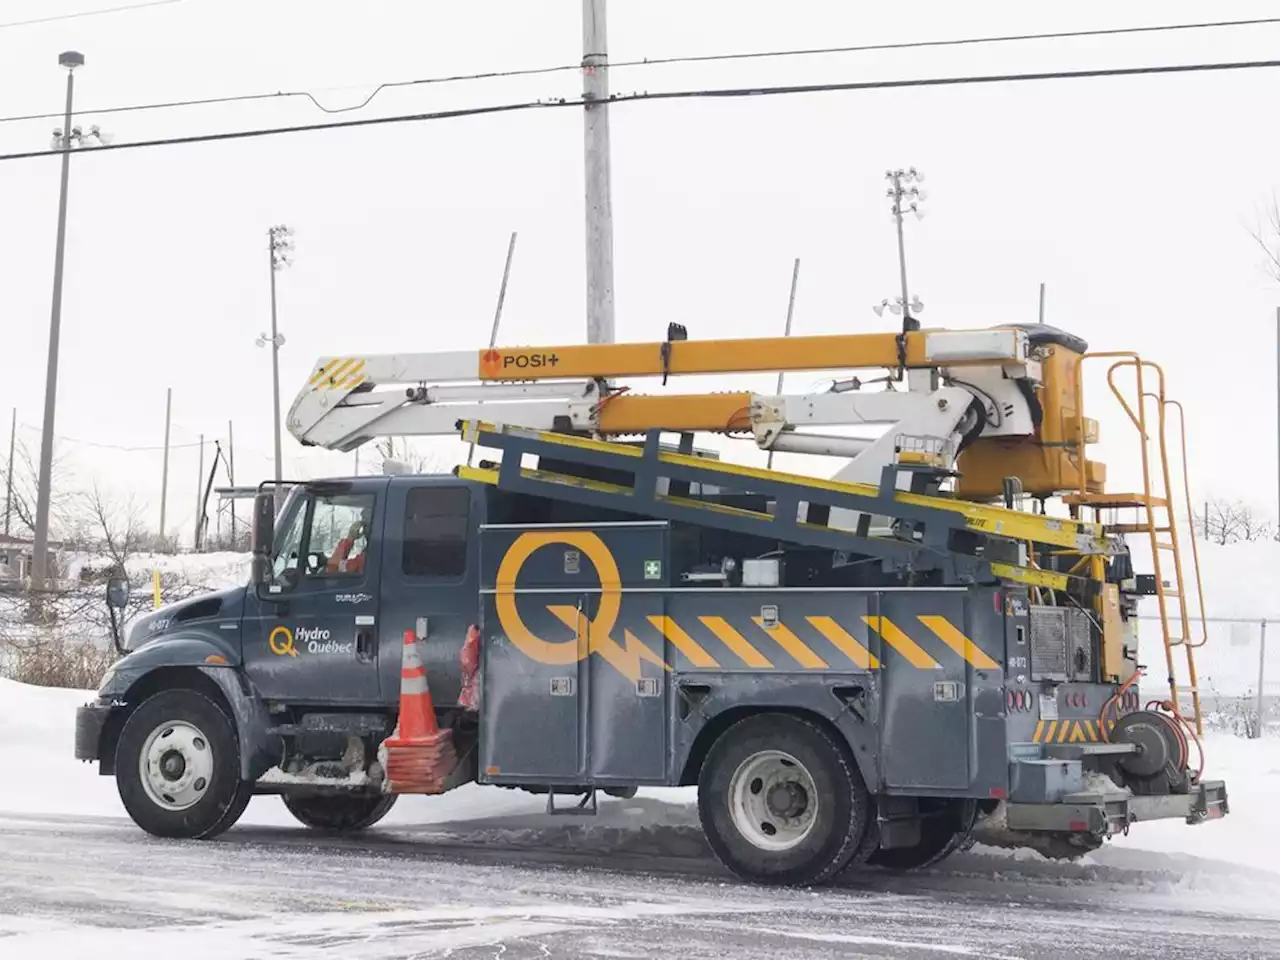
(781, 801)
(178, 767)
(344, 814)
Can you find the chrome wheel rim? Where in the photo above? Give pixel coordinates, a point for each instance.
(773, 801)
(176, 765)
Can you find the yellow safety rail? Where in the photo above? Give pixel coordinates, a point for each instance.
(1159, 511)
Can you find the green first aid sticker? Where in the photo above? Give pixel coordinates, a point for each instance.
(653, 569)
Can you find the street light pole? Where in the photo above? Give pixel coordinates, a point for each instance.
(40, 561)
(280, 247)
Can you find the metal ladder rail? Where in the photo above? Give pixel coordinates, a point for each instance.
(1170, 527)
(1124, 358)
(1189, 645)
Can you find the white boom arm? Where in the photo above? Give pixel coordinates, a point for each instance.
(350, 400)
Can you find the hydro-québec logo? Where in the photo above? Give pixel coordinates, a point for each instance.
(319, 640)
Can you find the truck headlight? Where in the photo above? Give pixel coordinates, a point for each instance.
(106, 677)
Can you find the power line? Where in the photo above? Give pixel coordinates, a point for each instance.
(643, 62)
(960, 41)
(87, 13)
(113, 446)
(289, 94)
(702, 94)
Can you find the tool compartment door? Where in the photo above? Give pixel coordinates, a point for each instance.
(573, 689)
(926, 715)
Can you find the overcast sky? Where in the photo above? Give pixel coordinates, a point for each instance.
(1132, 199)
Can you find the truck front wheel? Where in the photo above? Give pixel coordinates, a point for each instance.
(178, 767)
(343, 814)
(781, 801)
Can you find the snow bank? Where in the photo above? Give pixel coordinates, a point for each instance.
(214, 570)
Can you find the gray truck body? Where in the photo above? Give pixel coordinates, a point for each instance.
(939, 692)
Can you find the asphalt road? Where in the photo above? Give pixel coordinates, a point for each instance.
(100, 888)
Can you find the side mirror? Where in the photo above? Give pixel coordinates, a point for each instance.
(264, 534)
(117, 593)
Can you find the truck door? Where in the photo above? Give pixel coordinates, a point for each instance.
(429, 583)
(314, 640)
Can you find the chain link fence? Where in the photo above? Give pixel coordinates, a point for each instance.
(1238, 672)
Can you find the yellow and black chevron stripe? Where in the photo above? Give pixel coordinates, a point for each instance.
(343, 373)
(836, 648)
(1068, 731)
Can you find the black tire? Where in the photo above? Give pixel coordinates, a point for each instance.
(870, 841)
(942, 833)
(824, 844)
(339, 814)
(620, 793)
(212, 748)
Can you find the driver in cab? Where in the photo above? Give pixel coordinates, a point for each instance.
(349, 552)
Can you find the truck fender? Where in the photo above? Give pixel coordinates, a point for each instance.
(257, 753)
(218, 662)
(706, 705)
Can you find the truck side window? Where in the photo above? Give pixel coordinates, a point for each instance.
(291, 539)
(338, 535)
(435, 531)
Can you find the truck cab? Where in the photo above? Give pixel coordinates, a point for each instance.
(306, 657)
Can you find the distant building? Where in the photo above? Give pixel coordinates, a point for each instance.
(15, 556)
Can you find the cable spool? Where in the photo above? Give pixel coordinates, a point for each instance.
(1160, 763)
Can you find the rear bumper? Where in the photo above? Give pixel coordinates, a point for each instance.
(90, 719)
(1106, 814)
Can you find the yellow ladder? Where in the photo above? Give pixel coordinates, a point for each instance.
(1158, 510)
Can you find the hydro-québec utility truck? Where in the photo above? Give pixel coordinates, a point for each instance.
(938, 642)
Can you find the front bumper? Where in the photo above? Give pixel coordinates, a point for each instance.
(90, 719)
(1103, 814)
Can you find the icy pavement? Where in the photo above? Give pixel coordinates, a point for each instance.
(74, 887)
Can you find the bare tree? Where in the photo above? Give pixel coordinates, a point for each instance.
(1266, 233)
(118, 526)
(1231, 521)
(62, 500)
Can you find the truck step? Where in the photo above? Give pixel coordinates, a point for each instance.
(1078, 751)
(585, 807)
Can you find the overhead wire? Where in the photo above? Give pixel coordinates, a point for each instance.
(112, 446)
(645, 62)
(695, 94)
(87, 13)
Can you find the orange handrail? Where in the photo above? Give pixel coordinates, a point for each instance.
(1138, 417)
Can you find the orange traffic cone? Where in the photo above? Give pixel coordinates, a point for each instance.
(418, 756)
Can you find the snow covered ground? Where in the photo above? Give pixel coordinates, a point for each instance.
(479, 868)
(484, 872)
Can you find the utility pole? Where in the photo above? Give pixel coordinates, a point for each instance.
(280, 248)
(199, 495)
(786, 332)
(8, 492)
(164, 470)
(1260, 700)
(599, 200)
(231, 478)
(63, 139)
